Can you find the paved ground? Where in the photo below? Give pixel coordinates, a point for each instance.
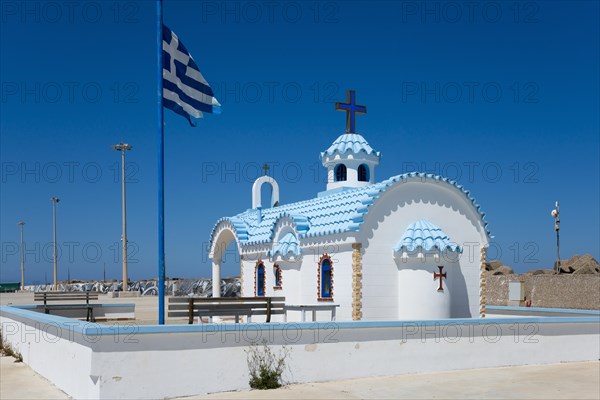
(554, 381)
(18, 381)
(145, 306)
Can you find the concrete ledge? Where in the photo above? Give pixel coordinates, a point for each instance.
(89, 360)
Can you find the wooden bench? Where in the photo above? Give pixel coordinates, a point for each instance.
(191, 307)
(64, 296)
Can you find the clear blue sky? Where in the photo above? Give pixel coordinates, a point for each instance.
(503, 96)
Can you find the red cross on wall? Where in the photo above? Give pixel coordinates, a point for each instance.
(439, 275)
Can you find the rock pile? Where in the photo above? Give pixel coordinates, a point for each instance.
(576, 265)
(585, 264)
(495, 267)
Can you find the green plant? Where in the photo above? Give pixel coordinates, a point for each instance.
(7, 350)
(266, 366)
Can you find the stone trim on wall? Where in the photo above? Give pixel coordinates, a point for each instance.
(482, 283)
(356, 282)
(242, 275)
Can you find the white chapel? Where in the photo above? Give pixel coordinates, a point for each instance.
(409, 247)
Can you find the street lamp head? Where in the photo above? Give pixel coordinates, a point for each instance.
(55, 199)
(122, 147)
(21, 223)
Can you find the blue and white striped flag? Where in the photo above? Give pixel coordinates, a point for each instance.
(185, 90)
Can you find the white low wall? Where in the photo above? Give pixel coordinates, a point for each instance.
(89, 360)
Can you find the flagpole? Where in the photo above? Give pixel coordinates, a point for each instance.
(161, 168)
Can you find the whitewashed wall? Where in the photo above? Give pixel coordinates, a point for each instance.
(300, 280)
(386, 221)
(51, 346)
(89, 361)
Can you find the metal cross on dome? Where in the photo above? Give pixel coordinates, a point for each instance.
(351, 109)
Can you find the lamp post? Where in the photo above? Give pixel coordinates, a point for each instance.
(54, 201)
(556, 214)
(122, 147)
(21, 224)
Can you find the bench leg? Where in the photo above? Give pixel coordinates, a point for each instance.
(314, 315)
(269, 309)
(90, 315)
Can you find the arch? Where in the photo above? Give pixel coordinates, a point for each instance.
(224, 232)
(284, 223)
(325, 278)
(340, 173)
(389, 186)
(260, 279)
(363, 173)
(256, 195)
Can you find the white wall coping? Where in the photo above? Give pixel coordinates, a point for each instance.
(89, 329)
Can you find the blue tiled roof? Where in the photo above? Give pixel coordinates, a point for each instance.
(425, 235)
(286, 246)
(350, 142)
(330, 214)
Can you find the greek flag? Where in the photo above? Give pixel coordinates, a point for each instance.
(185, 90)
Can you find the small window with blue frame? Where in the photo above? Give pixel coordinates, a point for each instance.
(259, 284)
(325, 278)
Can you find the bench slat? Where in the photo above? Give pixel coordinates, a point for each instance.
(185, 314)
(65, 296)
(180, 299)
(176, 307)
(64, 293)
(68, 306)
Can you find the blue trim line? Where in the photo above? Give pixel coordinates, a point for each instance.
(94, 329)
(540, 309)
